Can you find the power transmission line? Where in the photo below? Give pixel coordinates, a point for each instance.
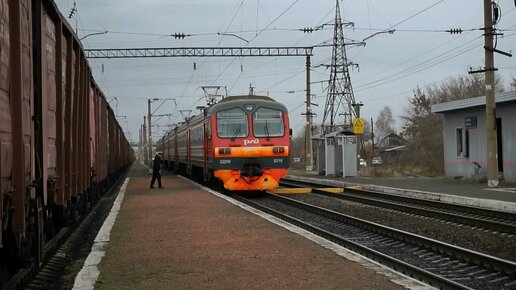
(421, 66)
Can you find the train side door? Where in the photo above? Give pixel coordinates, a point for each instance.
(176, 155)
(206, 146)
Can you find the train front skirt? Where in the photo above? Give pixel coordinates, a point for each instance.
(235, 180)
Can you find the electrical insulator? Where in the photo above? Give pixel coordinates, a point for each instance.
(455, 31)
(179, 35)
(496, 13)
(72, 12)
(307, 30)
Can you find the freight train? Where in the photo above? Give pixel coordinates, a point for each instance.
(60, 141)
(242, 141)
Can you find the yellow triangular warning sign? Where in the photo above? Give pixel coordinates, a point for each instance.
(358, 126)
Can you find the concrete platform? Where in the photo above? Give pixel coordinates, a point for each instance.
(464, 192)
(188, 237)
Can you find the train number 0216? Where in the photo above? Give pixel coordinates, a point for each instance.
(278, 160)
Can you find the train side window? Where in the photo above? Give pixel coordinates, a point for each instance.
(232, 123)
(268, 123)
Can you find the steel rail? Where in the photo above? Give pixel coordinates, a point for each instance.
(457, 253)
(475, 217)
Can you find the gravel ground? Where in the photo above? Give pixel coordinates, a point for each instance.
(67, 279)
(488, 242)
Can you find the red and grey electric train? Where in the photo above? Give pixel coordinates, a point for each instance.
(243, 141)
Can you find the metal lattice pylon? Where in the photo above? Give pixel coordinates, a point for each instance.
(340, 93)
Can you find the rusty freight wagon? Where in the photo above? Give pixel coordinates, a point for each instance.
(59, 140)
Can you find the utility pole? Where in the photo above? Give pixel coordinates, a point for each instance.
(145, 152)
(492, 156)
(308, 130)
(357, 106)
(140, 142)
(150, 127)
(372, 134)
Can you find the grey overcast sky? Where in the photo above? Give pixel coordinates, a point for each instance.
(419, 53)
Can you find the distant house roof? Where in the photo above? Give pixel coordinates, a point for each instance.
(396, 149)
(392, 142)
(472, 102)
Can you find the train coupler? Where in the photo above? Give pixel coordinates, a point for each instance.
(251, 171)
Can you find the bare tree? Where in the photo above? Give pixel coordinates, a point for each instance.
(461, 87)
(424, 132)
(367, 130)
(384, 124)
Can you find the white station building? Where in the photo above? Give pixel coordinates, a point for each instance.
(464, 134)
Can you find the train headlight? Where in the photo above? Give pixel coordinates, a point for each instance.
(224, 151)
(278, 150)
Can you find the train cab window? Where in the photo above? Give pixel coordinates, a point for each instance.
(232, 123)
(268, 123)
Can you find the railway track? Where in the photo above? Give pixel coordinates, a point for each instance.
(434, 262)
(474, 217)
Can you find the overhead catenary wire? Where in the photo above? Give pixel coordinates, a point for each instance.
(410, 17)
(418, 68)
(297, 42)
(257, 34)
(397, 66)
(177, 80)
(416, 14)
(278, 83)
(239, 7)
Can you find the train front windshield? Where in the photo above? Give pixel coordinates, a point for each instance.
(232, 123)
(268, 123)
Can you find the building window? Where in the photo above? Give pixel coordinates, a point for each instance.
(460, 145)
(462, 138)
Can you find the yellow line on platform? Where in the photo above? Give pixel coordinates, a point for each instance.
(356, 187)
(291, 190)
(332, 189)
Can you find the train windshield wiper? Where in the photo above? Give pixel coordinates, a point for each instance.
(237, 131)
(266, 128)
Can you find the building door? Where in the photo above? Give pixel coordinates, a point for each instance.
(499, 143)
(330, 156)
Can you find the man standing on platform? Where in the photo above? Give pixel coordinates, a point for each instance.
(156, 170)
